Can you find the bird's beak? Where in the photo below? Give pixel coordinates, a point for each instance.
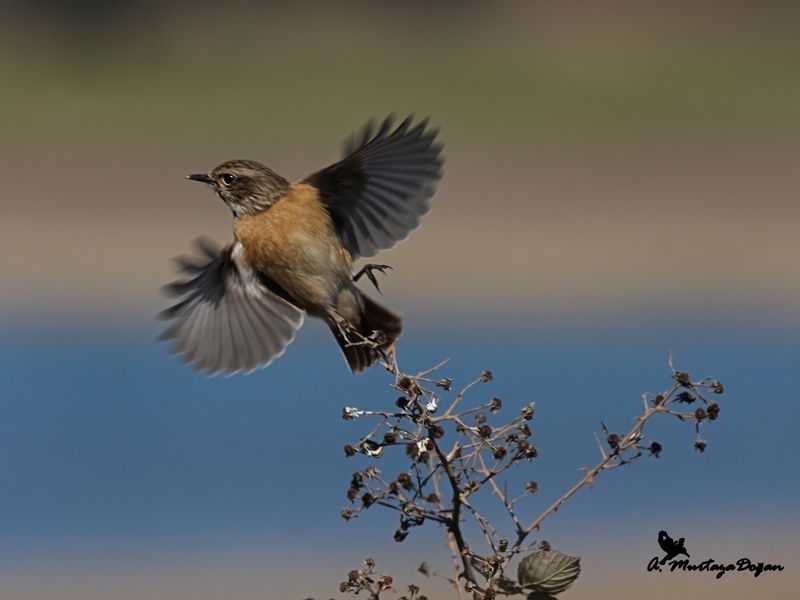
(202, 177)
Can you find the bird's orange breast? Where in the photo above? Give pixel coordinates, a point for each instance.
(294, 242)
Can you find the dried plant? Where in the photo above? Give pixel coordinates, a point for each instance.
(457, 452)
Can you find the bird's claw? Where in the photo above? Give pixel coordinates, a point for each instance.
(368, 271)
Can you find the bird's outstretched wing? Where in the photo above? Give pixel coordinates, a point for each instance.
(380, 190)
(229, 317)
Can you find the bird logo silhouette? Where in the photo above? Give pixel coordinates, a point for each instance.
(671, 547)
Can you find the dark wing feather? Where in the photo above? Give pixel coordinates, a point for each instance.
(229, 317)
(380, 190)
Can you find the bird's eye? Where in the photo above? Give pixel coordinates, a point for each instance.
(228, 178)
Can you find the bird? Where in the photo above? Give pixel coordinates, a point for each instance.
(237, 307)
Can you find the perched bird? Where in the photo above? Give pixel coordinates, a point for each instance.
(293, 251)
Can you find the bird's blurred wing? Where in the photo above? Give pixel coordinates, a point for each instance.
(380, 190)
(229, 317)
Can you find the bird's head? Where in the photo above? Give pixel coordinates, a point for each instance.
(247, 187)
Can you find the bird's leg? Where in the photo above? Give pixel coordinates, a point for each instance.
(368, 271)
(351, 335)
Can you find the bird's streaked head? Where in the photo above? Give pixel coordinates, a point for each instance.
(247, 187)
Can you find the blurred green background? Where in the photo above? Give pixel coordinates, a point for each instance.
(621, 180)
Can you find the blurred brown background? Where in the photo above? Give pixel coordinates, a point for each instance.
(621, 158)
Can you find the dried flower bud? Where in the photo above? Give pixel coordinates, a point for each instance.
(700, 446)
(502, 544)
(424, 457)
(371, 448)
(402, 402)
(394, 488)
(445, 383)
(700, 414)
(613, 440)
(404, 479)
(685, 398)
(486, 376)
(717, 387)
(389, 437)
(485, 431)
(405, 383)
(713, 411)
(367, 500)
(424, 569)
(412, 450)
(437, 431)
(531, 452)
(532, 487)
(495, 404)
(343, 587)
(523, 445)
(655, 449)
(353, 575)
(352, 494)
(385, 581)
(682, 378)
(525, 430)
(480, 419)
(349, 450)
(500, 453)
(400, 535)
(527, 412)
(658, 400)
(349, 413)
(347, 514)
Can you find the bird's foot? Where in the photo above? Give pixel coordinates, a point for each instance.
(368, 271)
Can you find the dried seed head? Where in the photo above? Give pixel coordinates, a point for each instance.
(486, 376)
(527, 412)
(682, 378)
(437, 431)
(713, 411)
(700, 414)
(389, 437)
(532, 487)
(349, 413)
(500, 453)
(485, 431)
(367, 500)
(717, 387)
(700, 446)
(349, 450)
(613, 440)
(353, 575)
(347, 514)
(445, 383)
(659, 399)
(685, 398)
(655, 449)
(502, 544)
(495, 405)
(400, 535)
(352, 494)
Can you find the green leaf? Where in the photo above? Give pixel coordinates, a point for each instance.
(548, 572)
